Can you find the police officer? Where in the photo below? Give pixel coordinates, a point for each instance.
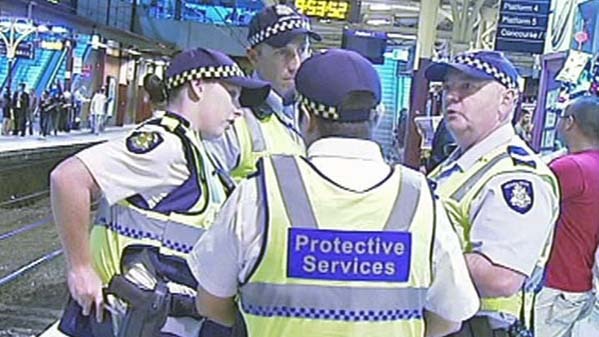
(502, 199)
(279, 39)
(157, 189)
(337, 243)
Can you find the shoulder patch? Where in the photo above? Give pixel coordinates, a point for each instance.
(520, 156)
(518, 194)
(143, 141)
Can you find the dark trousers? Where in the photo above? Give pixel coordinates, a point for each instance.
(20, 122)
(479, 327)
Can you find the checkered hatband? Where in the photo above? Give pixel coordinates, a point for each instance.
(319, 109)
(488, 68)
(278, 27)
(205, 73)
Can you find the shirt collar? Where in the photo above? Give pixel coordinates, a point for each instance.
(503, 135)
(348, 148)
(275, 102)
(183, 120)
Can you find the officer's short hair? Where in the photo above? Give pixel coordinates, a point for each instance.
(356, 100)
(585, 111)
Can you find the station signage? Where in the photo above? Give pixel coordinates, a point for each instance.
(522, 26)
(24, 50)
(325, 9)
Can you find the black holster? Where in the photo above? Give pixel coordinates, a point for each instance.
(147, 309)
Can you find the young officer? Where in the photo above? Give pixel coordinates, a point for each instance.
(502, 199)
(158, 193)
(337, 243)
(279, 40)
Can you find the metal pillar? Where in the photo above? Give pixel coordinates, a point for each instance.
(429, 10)
(13, 31)
(465, 16)
(487, 27)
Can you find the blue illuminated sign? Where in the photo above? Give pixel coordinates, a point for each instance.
(522, 25)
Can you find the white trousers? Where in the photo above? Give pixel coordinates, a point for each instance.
(557, 311)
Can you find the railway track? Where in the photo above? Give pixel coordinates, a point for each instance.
(32, 283)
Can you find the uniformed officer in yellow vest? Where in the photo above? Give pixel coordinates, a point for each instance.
(279, 39)
(157, 193)
(502, 199)
(335, 243)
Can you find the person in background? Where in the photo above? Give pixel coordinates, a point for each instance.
(443, 145)
(567, 296)
(323, 210)
(156, 95)
(502, 199)
(20, 102)
(97, 110)
(44, 108)
(524, 126)
(6, 113)
(56, 107)
(79, 98)
(67, 111)
(32, 110)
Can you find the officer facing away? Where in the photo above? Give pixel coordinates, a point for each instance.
(502, 199)
(279, 39)
(337, 243)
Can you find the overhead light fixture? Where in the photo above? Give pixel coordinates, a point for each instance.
(20, 25)
(59, 30)
(133, 52)
(378, 22)
(401, 36)
(380, 7)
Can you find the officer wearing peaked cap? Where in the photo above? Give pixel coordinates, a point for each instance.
(502, 199)
(279, 39)
(158, 193)
(336, 243)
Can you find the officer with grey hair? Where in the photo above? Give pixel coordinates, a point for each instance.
(502, 199)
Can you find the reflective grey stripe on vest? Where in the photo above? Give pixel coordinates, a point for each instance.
(293, 191)
(297, 202)
(333, 302)
(256, 134)
(406, 202)
(130, 223)
(472, 180)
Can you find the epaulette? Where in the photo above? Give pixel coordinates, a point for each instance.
(262, 111)
(520, 156)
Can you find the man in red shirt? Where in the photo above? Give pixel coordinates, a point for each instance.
(568, 293)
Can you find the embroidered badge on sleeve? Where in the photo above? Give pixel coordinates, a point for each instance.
(518, 194)
(143, 141)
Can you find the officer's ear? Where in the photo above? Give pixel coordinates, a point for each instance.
(253, 53)
(305, 122)
(507, 104)
(196, 89)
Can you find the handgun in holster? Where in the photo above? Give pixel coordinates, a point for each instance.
(147, 298)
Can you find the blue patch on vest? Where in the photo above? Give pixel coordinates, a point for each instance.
(142, 141)
(518, 194)
(517, 150)
(349, 256)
